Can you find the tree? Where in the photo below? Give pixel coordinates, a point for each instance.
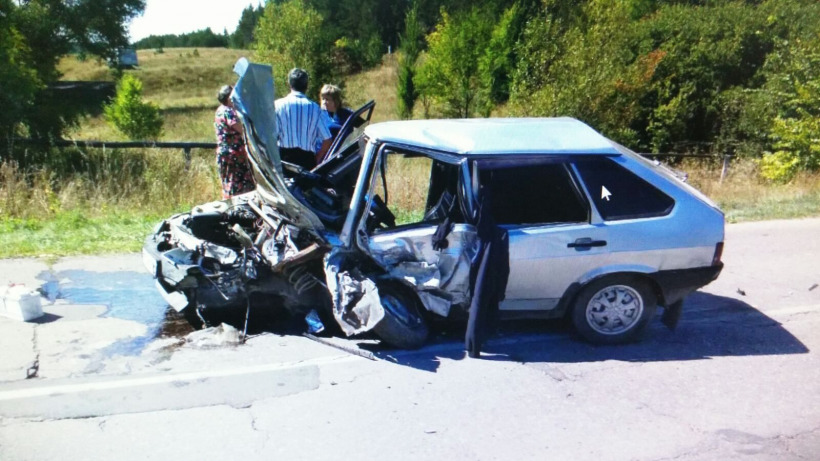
(130, 114)
(410, 47)
(289, 34)
(449, 72)
(18, 80)
(242, 38)
(496, 65)
(41, 31)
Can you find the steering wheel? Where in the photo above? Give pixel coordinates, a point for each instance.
(379, 216)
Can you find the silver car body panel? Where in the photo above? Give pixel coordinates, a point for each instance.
(542, 266)
(495, 136)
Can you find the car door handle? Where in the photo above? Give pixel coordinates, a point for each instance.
(586, 242)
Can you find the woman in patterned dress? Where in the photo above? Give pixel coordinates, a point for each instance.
(231, 156)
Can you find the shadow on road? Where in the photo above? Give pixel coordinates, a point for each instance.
(712, 326)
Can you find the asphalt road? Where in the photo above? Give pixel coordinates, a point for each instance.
(738, 379)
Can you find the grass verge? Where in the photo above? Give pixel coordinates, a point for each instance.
(72, 233)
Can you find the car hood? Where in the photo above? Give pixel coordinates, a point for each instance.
(253, 98)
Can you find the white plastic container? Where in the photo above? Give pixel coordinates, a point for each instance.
(20, 303)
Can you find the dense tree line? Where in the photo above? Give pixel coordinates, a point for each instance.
(204, 38)
(660, 76)
(241, 38)
(670, 75)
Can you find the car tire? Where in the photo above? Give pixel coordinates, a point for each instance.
(614, 310)
(403, 325)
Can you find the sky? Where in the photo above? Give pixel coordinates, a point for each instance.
(180, 16)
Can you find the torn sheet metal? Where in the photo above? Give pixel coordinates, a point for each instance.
(435, 304)
(409, 255)
(356, 303)
(187, 241)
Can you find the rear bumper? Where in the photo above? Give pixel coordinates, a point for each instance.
(676, 284)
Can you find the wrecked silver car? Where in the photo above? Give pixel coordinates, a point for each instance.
(596, 232)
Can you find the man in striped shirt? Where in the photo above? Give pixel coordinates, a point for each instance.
(300, 122)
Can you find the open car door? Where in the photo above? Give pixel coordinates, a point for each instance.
(350, 132)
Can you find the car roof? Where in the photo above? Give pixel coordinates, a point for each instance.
(493, 136)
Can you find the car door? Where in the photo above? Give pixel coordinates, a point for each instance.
(428, 245)
(553, 239)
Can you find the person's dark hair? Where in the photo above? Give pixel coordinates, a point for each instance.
(298, 79)
(224, 94)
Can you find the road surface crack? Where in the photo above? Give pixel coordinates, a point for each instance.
(34, 368)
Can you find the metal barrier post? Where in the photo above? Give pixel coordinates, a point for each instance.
(725, 170)
(186, 152)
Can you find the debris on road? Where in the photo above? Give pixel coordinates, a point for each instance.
(350, 350)
(20, 303)
(220, 336)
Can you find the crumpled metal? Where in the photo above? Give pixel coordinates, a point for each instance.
(356, 303)
(442, 273)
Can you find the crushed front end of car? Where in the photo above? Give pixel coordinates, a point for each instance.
(221, 257)
(276, 248)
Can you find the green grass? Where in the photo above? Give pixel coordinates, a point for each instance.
(72, 233)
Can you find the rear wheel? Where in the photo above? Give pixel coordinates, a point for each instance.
(614, 310)
(403, 325)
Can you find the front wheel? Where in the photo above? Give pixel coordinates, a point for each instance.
(614, 310)
(403, 326)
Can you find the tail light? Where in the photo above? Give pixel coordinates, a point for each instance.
(718, 254)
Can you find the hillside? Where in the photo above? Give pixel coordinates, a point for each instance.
(184, 82)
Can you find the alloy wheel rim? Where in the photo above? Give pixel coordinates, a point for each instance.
(614, 309)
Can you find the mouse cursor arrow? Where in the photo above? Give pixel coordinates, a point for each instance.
(605, 193)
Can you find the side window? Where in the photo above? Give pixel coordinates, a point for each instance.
(419, 190)
(620, 194)
(534, 194)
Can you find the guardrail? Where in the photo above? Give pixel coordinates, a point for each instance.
(185, 146)
(727, 158)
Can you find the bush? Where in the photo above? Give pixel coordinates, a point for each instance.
(130, 114)
(793, 71)
(779, 167)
